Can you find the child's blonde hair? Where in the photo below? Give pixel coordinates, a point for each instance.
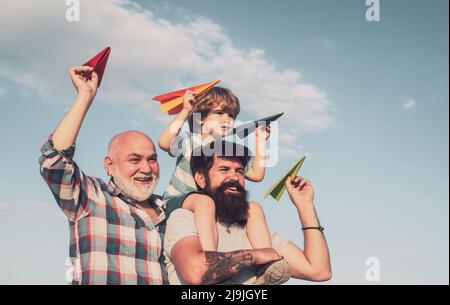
(212, 98)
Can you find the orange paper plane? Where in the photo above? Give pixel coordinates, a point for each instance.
(98, 62)
(172, 102)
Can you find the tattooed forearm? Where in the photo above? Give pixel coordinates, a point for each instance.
(221, 266)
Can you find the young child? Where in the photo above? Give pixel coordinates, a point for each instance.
(218, 108)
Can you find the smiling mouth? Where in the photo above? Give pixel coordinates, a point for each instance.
(232, 189)
(144, 180)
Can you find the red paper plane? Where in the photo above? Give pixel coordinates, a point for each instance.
(98, 62)
(172, 102)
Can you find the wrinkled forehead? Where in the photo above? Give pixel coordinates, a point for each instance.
(133, 144)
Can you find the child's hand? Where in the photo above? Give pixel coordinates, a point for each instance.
(263, 134)
(188, 100)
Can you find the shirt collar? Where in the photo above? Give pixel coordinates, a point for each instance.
(112, 188)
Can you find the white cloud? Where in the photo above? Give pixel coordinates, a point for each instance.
(3, 92)
(408, 104)
(51, 208)
(325, 43)
(4, 205)
(287, 152)
(150, 55)
(137, 124)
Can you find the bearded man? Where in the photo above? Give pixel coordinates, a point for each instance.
(219, 175)
(116, 228)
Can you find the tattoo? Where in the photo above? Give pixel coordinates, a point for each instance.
(222, 266)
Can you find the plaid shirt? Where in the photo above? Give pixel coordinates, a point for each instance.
(112, 240)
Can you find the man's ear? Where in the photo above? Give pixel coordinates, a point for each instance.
(200, 179)
(108, 165)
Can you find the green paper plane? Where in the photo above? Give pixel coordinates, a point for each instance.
(277, 190)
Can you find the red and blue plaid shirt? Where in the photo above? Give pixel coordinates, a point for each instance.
(112, 240)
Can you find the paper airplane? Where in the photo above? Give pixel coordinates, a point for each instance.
(98, 62)
(245, 129)
(172, 102)
(277, 190)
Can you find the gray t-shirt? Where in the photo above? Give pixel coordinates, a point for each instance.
(181, 223)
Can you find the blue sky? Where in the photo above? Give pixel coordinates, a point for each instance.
(366, 101)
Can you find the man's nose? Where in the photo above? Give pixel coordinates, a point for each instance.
(146, 168)
(233, 176)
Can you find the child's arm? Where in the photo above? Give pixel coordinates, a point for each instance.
(257, 229)
(204, 210)
(173, 129)
(257, 171)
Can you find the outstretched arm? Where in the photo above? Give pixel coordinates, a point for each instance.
(314, 262)
(67, 130)
(65, 179)
(198, 267)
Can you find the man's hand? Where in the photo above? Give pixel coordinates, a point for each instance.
(188, 100)
(82, 84)
(264, 256)
(300, 190)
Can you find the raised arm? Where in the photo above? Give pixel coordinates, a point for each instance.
(312, 263)
(173, 129)
(258, 169)
(65, 179)
(66, 132)
(198, 267)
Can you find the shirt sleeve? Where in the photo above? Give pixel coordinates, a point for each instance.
(68, 183)
(181, 223)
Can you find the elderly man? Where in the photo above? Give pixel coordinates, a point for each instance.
(115, 228)
(221, 179)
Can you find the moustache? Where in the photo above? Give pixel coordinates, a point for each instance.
(232, 184)
(150, 177)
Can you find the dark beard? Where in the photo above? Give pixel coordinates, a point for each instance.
(230, 208)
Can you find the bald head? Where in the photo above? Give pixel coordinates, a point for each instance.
(132, 163)
(128, 139)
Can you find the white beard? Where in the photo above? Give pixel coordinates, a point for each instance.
(127, 186)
